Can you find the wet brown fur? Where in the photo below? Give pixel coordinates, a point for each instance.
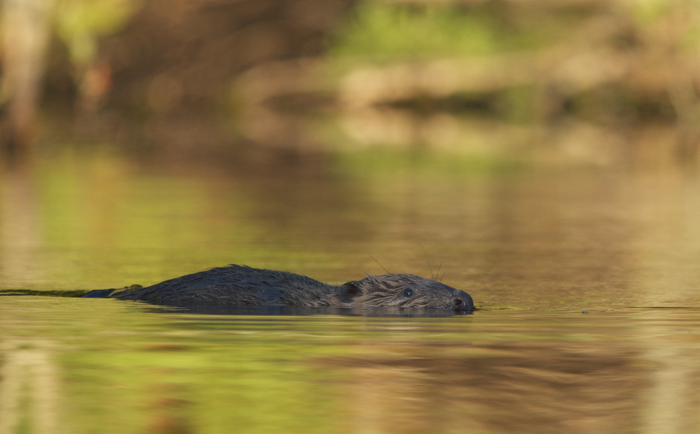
(236, 285)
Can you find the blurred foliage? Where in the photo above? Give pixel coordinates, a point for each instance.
(383, 30)
(612, 62)
(535, 63)
(674, 24)
(79, 23)
(380, 29)
(397, 29)
(647, 12)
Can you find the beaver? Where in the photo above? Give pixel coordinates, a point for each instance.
(243, 286)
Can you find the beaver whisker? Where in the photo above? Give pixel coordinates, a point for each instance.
(483, 279)
(427, 260)
(380, 265)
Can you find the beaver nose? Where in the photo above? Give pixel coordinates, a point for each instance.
(462, 301)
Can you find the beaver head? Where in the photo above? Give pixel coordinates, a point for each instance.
(403, 291)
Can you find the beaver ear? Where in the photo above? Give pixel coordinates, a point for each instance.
(348, 291)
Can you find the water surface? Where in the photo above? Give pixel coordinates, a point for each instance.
(586, 281)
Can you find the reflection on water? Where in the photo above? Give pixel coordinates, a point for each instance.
(534, 248)
(125, 368)
(30, 380)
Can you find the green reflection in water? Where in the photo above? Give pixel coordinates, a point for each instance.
(128, 367)
(388, 163)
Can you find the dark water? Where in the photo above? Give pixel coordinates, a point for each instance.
(535, 247)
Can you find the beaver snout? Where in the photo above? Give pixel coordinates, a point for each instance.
(462, 301)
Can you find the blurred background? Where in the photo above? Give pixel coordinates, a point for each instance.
(593, 81)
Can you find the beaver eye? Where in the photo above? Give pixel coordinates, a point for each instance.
(408, 292)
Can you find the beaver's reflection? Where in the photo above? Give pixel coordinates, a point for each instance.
(524, 389)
